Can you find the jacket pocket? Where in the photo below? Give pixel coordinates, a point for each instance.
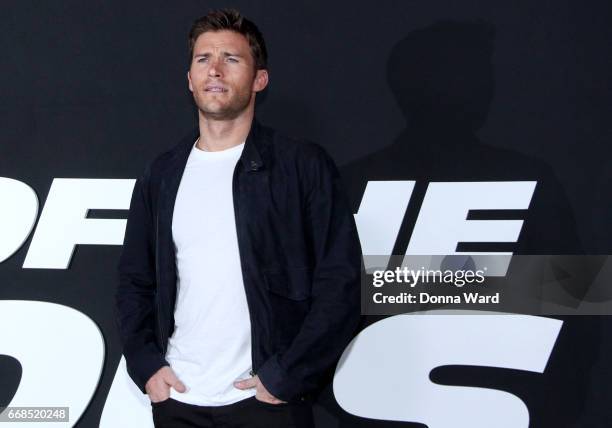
(288, 294)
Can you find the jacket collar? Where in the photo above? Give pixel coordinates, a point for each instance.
(251, 154)
(250, 157)
(173, 170)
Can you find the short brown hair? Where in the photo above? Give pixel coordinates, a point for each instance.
(232, 20)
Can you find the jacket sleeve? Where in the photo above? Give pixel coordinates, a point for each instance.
(135, 295)
(335, 294)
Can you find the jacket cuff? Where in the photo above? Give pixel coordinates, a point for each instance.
(277, 381)
(146, 366)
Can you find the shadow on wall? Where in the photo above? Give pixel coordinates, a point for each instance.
(442, 78)
(443, 81)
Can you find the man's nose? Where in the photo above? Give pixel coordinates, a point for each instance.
(215, 68)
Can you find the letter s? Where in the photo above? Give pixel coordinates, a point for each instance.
(409, 347)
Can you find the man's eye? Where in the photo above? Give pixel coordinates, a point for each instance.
(202, 59)
(232, 59)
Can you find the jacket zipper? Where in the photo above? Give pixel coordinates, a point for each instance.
(236, 197)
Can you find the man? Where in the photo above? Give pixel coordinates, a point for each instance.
(240, 266)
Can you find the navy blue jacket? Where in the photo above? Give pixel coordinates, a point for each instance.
(299, 253)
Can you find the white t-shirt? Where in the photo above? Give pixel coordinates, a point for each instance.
(211, 344)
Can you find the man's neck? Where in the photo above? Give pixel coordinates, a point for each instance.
(218, 135)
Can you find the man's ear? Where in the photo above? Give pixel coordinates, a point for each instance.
(261, 80)
(189, 80)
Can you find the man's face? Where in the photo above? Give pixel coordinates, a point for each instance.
(222, 75)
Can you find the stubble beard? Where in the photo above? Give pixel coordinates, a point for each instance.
(225, 111)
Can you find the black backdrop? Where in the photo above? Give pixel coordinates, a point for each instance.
(96, 89)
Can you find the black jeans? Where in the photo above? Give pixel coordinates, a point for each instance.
(249, 413)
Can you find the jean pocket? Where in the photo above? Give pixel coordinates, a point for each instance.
(271, 405)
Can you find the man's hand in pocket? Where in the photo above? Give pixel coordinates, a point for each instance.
(262, 393)
(158, 386)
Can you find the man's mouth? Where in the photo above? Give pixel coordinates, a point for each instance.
(215, 89)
